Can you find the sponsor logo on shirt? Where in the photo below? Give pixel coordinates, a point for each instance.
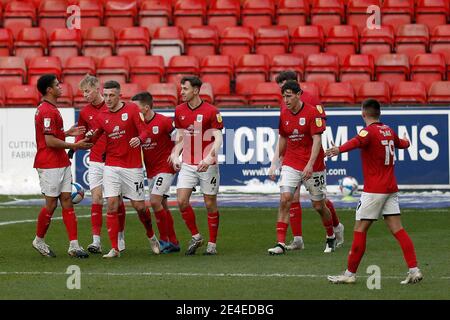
(47, 122)
(302, 121)
(124, 116)
(155, 130)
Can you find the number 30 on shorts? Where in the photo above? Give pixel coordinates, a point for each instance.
(139, 185)
(319, 180)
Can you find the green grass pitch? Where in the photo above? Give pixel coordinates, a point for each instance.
(241, 270)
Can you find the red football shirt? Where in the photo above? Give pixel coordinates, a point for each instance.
(87, 119)
(197, 134)
(158, 146)
(377, 142)
(48, 120)
(299, 129)
(120, 127)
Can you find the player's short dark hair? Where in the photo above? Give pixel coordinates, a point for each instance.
(372, 108)
(286, 75)
(291, 85)
(111, 84)
(193, 80)
(44, 82)
(144, 97)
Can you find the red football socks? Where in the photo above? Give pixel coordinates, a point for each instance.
(96, 219)
(189, 218)
(213, 226)
(170, 229)
(407, 247)
(281, 232)
(328, 224)
(43, 222)
(334, 216)
(112, 223)
(121, 214)
(295, 218)
(161, 222)
(357, 251)
(146, 220)
(70, 220)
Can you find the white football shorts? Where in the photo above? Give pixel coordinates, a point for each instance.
(291, 178)
(372, 205)
(160, 184)
(95, 174)
(123, 181)
(55, 181)
(209, 181)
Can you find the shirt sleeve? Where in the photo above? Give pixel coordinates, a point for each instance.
(49, 125)
(81, 123)
(216, 120)
(97, 128)
(140, 125)
(400, 143)
(317, 123)
(350, 145)
(176, 121)
(170, 126)
(281, 131)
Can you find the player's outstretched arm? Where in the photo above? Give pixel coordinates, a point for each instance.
(75, 131)
(54, 142)
(402, 143)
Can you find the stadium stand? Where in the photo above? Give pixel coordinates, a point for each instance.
(133, 41)
(23, 95)
(202, 41)
(64, 43)
(376, 89)
(338, 93)
(224, 13)
(409, 92)
(266, 94)
(439, 92)
(145, 70)
(283, 62)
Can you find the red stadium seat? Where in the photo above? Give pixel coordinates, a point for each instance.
(412, 39)
(312, 88)
(377, 41)
(146, 70)
(224, 13)
(292, 13)
(31, 42)
(439, 92)
(251, 69)
(284, 62)
(231, 101)
(154, 14)
(113, 68)
(2, 97)
(133, 41)
(180, 66)
(338, 93)
(327, 13)
(322, 68)
(397, 12)
(42, 65)
(266, 94)
(376, 90)
(64, 43)
(164, 94)
(409, 92)
(120, 13)
(98, 43)
(22, 96)
(6, 42)
(342, 41)
(432, 12)
(428, 68)
(91, 13)
(66, 98)
(392, 68)
(236, 41)
(167, 42)
(307, 40)
(128, 90)
(12, 71)
(258, 13)
(440, 41)
(272, 40)
(19, 15)
(202, 41)
(207, 93)
(358, 69)
(189, 13)
(76, 69)
(357, 12)
(219, 71)
(53, 15)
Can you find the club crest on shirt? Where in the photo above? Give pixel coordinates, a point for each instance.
(319, 108)
(302, 121)
(363, 133)
(319, 122)
(199, 118)
(124, 116)
(47, 122)
(155, 130)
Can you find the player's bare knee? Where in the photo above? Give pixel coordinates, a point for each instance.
(319, 206)
(286, 199)
(113, 204)
(210, 203)
(183, 203)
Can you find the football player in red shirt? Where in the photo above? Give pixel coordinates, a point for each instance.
(160, 173)
(123, 173)
(301, 127)
(295, 211)
(377, 142)
(199, 136)
(53, 166)
(90, 87)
